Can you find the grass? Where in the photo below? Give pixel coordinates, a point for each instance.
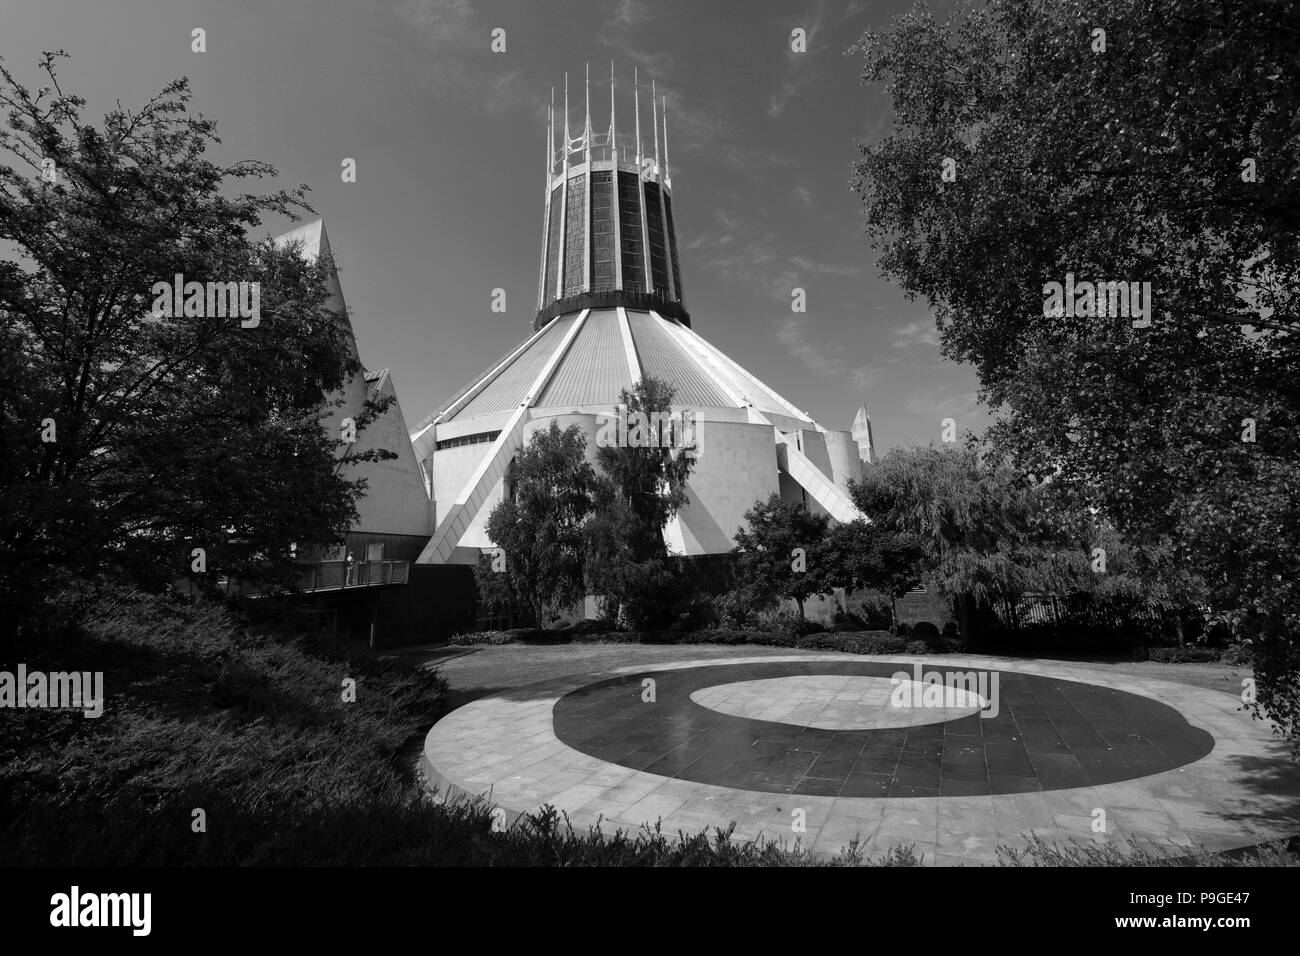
(245, 720)
(228, 742)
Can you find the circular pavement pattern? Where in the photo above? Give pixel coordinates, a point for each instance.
(1037, 733)
(998, 750)
(843, 702)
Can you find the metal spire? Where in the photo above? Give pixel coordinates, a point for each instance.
(566, 123)
(586, 133)
(613, 136)
(550, 140)
(636, 98)
(665, 139)
(654, 118)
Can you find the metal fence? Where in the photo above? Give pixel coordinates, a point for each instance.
(333, 576)
(338, 575)
(1055, 611)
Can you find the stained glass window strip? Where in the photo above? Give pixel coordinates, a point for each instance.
(553, 246)
(575, 232)
(655, 227)
(602, 231)
(629, 204)
(672, 247)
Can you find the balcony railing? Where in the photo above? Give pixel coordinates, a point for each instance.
(340, 575)
(332, 576)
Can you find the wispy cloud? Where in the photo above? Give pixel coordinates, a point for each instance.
(450, 31)
(919, 332)
(625, 33)
(962, 406)
(821, 356)
(753, 256)
(787, 91)
(800, 70)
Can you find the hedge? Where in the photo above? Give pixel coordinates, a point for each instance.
(847, 642)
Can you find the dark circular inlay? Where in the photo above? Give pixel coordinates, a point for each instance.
(1049, 734)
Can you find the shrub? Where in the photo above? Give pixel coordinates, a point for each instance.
(696, 612)
(736, 609)
(918, 647)
(1235, 655)
(1184, 655)
(925, 629)
(780, 619)
(205, 709)
(484, 637)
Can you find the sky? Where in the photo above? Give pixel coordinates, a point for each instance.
(449, 143)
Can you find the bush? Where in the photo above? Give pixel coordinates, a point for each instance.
(205, 709)
(1235, 655)
(901, 629)
(1184, 655)
(925, 629)
(848, 642)
(484, 637)
(736, 609)
(779, 620)
(918, 647)
(696, 612)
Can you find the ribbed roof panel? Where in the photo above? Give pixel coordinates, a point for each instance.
(507, 390)
(663, 358)
(595, 369)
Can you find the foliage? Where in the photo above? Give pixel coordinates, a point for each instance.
(170, 432)
(1170, 158)
(863, 556)
(641, 487)
(650, 476)
(979, 526)
(1038, 852)
(204, 710)
(846, 642)
(539, 527)
(781, 552)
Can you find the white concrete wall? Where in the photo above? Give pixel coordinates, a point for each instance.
(844, 456)
(395, 500)
(588, 424)
(736, 467)
(451, 469)
(813, 444)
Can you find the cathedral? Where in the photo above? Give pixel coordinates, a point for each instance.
(611, 309)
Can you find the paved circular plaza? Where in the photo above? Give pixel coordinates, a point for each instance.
(953, 755)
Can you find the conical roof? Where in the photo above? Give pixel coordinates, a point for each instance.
(610, 351)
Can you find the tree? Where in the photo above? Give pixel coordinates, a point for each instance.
(863, 557)
(130, 438)
(980, 527)
(780, 554)
(539, 527)
(649, 468)
(645, 458)
(1161, 153)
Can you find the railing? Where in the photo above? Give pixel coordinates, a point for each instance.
(332, 576)
(340, 575)
(1056, 611)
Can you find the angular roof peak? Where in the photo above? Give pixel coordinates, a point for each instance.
(312, 235)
